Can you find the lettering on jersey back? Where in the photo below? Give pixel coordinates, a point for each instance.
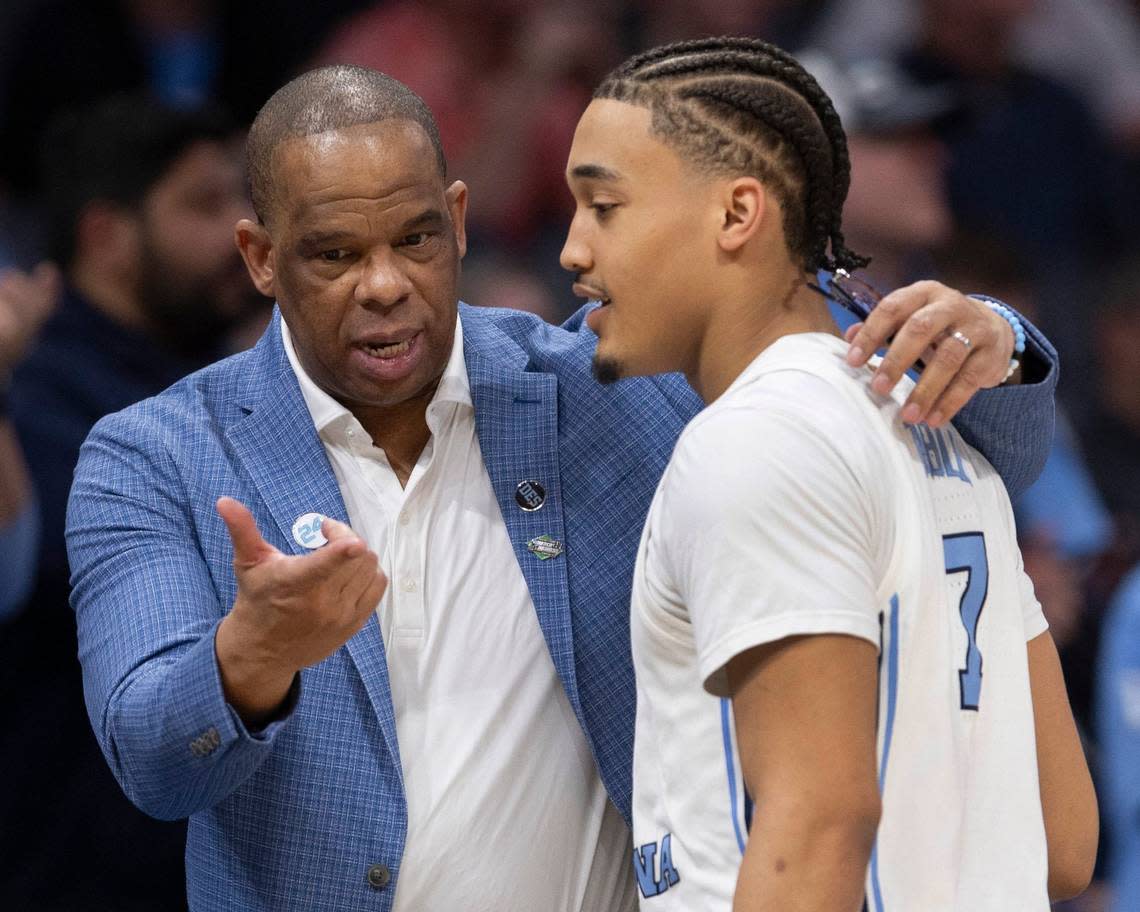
(645, 865)
(939, 453)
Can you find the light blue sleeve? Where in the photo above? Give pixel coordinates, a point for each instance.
(147, 611)
(19, 543)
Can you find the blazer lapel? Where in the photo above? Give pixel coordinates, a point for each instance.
(287, 463)
(516, 420)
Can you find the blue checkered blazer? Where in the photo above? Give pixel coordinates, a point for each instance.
(298, 815)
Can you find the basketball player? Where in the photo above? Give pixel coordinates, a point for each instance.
(847, 692)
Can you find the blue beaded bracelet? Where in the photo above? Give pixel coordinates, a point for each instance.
(1018, 334)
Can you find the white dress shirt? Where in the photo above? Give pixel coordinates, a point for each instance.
(505, 808)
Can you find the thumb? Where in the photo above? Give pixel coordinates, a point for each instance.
(335, 530)
(249, 547)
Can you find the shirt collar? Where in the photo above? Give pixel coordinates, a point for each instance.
(454, 387)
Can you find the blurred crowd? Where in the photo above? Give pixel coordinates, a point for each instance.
(995, 146)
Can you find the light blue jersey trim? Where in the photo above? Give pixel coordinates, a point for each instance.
(892, 699)
(726, 730)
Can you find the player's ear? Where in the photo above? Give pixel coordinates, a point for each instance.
(744, 206)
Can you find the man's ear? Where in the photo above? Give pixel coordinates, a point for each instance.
(457, 206)
(745, 206)
(256, 248)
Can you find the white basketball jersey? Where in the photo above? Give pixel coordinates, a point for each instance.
(798, 503)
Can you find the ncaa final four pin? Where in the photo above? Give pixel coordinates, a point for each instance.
(307, 531)
(544, 547)
(530, 495)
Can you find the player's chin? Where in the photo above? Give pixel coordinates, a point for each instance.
(610, 366)
(607, 369)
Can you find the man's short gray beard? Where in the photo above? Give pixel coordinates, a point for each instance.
(607, 370)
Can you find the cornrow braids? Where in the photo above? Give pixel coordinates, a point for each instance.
(743, 105)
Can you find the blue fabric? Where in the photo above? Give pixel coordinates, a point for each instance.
(1118, 724)
(294, 816)
(19, 541)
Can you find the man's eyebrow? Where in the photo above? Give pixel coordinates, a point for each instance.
(430, 218)
(318, 239)
(314, 239)
(595, 172)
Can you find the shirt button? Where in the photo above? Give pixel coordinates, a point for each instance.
(405, 518)
(409, 584)
(378, 876)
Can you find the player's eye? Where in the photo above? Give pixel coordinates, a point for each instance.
(333, 256)
(415, 240)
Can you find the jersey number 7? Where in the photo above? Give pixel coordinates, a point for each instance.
(966, 553)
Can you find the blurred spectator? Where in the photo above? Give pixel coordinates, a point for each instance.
(897, 210)
(68, 53)
(143, 202)
(1111, 429)
(1092, 46)
(783, 22)
(1031, 161)
(25, 302)
(1118, 723)
(1063, 527)
(57, 55)
(507, 81)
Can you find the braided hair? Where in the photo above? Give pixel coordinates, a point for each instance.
(740, 105)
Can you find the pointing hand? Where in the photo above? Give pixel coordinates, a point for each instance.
(291, 611)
